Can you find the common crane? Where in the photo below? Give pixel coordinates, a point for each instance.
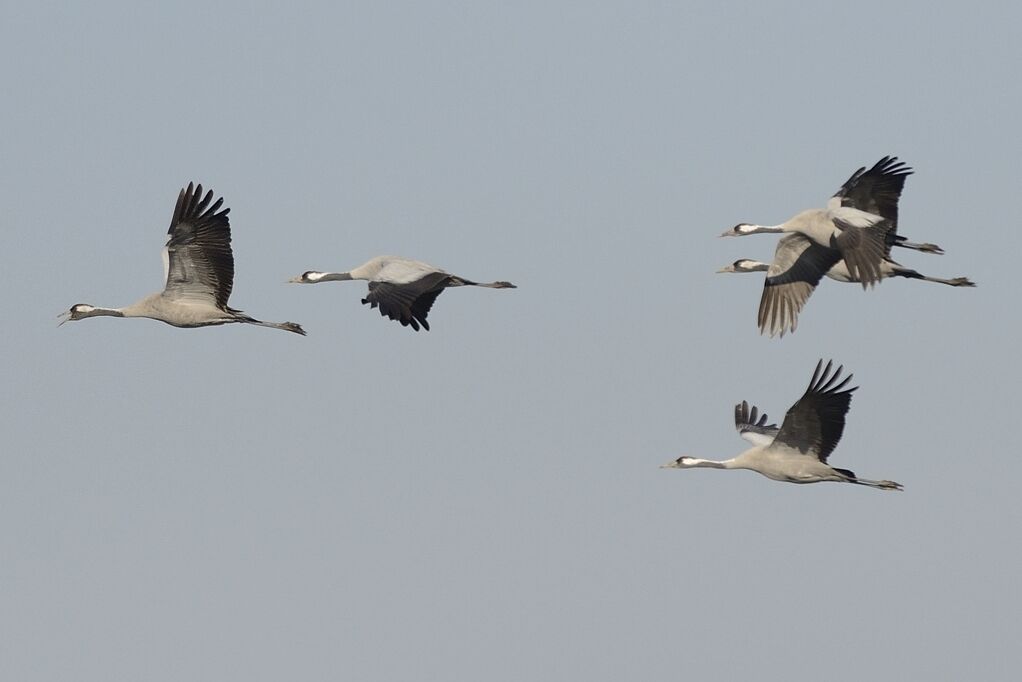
(798, 266)
(403, 289)
(796, 452)
(198, 269)
(858, 223)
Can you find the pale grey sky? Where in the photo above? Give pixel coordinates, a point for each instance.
(482, 502)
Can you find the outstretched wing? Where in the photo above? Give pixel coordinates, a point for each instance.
(876, 190)
(814, 424)
(752, 426)
(408, 303)
(799, 264)
(198, 262)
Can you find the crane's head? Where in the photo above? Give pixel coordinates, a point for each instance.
(309, 277)
(739, 230)
(744, 265)
(683, 462)
(76, 312)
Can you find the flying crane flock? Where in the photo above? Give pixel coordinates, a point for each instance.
(850, 240)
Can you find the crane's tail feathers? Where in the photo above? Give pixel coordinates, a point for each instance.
(882, 485)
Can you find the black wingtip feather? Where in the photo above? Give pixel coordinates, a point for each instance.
(749, 415)
(827, 382)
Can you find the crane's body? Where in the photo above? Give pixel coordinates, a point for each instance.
(403, 289)
(780, 464)
(177, 313)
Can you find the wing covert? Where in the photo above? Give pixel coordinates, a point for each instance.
(752, 426)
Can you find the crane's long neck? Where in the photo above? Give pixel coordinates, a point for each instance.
(110, 312)
(760, 229)
(710, 463)
(79, 311)
(334, 277)
(746, 265)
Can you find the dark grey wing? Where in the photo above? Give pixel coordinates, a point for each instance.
(408, 303)
(876, 190)
(198, 259)
(864, 248)
(799, 265)
(814, 424)
(752, 426)
(423, 304)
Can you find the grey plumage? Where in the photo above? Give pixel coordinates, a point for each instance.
(754, 430)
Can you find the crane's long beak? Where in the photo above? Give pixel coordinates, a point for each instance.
(295, 280)
(64, 317)
(727, 233)
(726, 268)
(673, 464)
